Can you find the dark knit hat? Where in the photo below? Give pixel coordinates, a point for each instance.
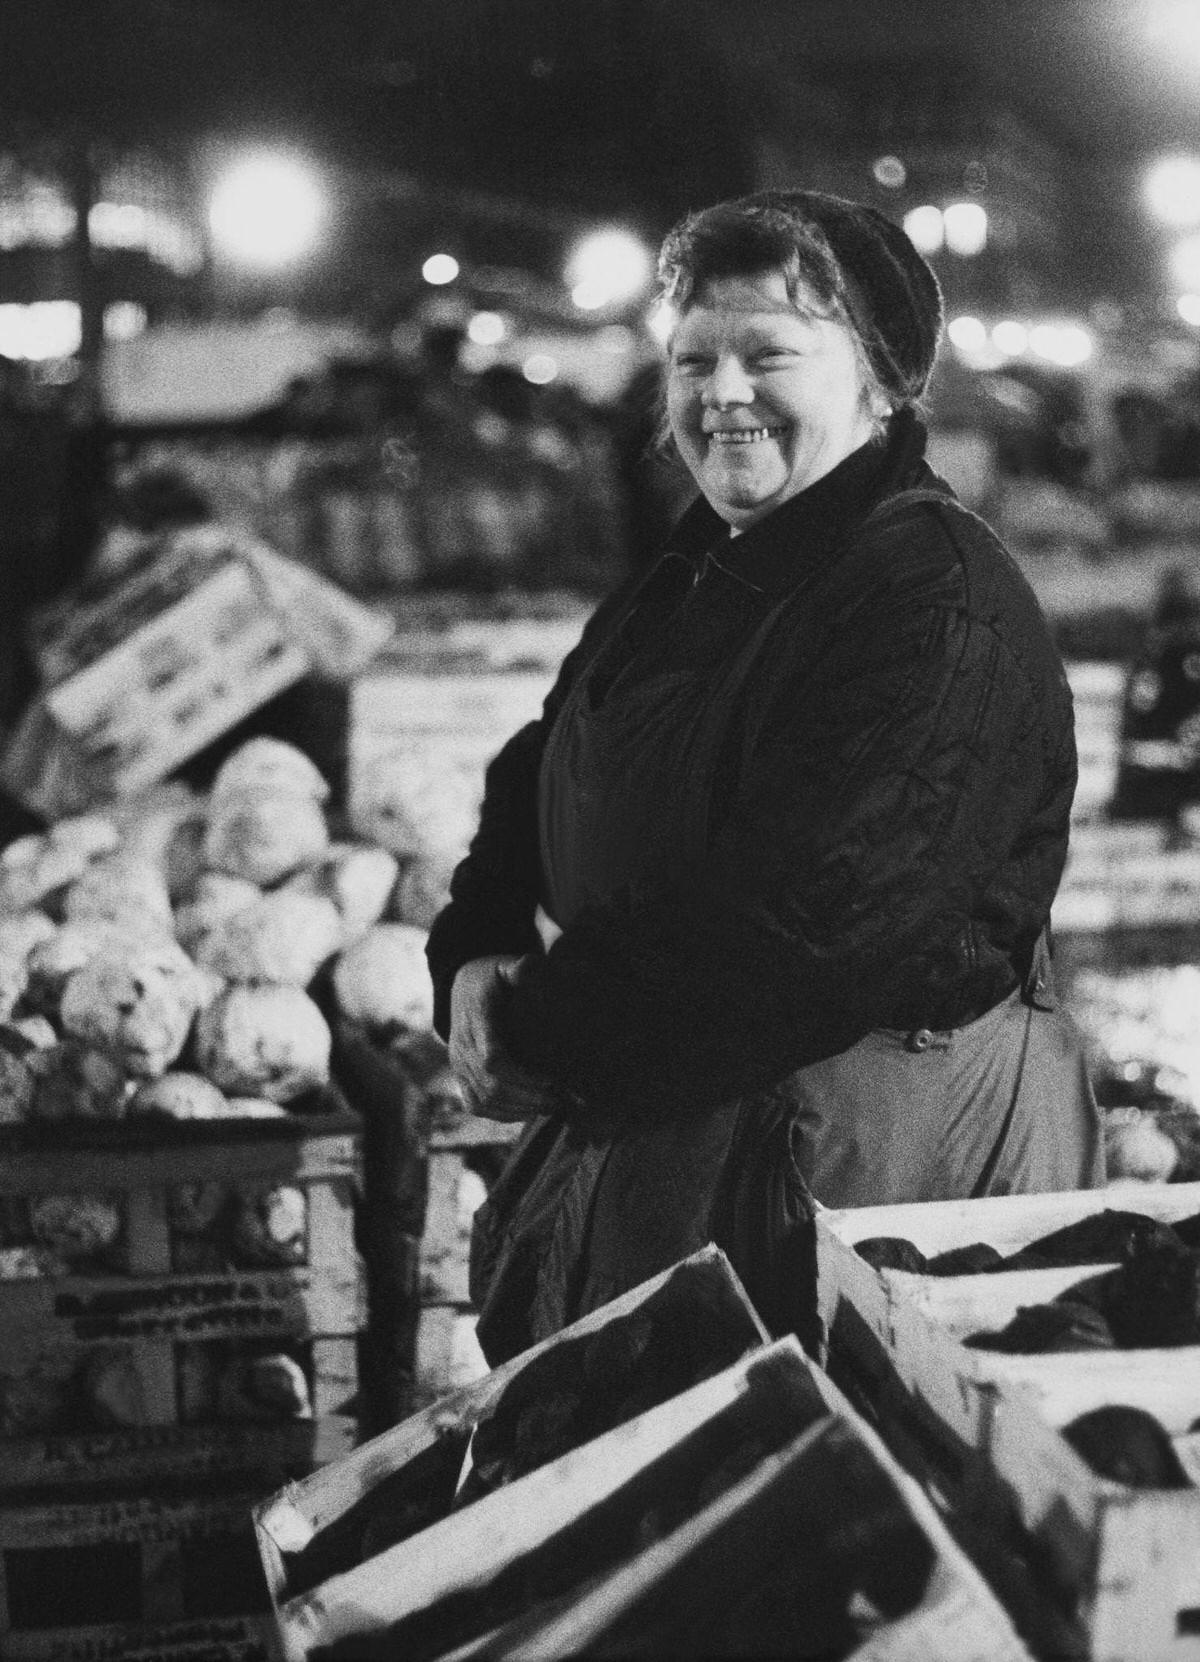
(890, 291)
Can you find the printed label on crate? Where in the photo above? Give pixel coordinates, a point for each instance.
(227, 1639)
(156, 1453)
(298, 1302)
(124, 1519)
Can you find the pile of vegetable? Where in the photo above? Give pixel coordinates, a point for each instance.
(160, 959)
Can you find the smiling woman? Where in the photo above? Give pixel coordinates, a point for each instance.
(797, 806)
(765, 399)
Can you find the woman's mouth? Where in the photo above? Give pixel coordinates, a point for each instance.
(743, 435)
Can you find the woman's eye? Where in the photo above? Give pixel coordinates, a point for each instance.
(774, 359)
(691, 365)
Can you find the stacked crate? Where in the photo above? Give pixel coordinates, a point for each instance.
(127, 1533)
(1117, 1565)
(623, 1505)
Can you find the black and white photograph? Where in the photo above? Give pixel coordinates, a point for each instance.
(600, 830)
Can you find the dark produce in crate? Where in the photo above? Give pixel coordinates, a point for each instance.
(1061, 1324)
(859, 1540)
(398, 1506)
(576, 1391)
(678, 1332)
(1127, 1445)
(833, 1545)
(563, 1398)
(1152, 1301)
(1104, 1236)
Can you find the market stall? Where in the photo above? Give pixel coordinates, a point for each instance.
(247, 1411)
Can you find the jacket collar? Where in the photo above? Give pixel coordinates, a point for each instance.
(775, 553)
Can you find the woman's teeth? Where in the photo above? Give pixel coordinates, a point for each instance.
(744, 435)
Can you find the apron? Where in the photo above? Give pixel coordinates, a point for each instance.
(626, 794)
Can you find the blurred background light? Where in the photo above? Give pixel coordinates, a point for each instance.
(1064, 344)
(889, 171)
(266, 210)
(1172, 190)
(608, 268)
(968, 334)
(616, 339)
(965, 226)
(44, 329)
(540, 369)
(124, 320)
(926, 228)
(1174, 26)
(660, 321)
(440, 269)
(118, 225)
(1010, 337)
(1185, 263)
(1188, 307)
(487, 329)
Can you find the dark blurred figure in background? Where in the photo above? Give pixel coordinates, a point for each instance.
(1158, 768)
(656, 487)
(53, 462)
(52, 474)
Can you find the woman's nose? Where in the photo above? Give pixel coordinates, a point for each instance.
(729, 383)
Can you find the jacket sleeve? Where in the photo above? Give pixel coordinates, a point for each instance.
(495, 889)
(882, 794)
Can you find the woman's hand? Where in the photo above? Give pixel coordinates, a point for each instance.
(493, 1085)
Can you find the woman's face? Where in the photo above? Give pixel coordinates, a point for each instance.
(762, 400)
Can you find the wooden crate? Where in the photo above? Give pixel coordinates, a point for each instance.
(310, 1532)
(803, 1502)
(447, 1354)
(957, 1620)
(158, 1317)
(79, 1578)
(1123, 1565)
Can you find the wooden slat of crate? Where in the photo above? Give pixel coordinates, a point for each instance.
(445, 1242)
(473, 1132)
(334, 1374)
(447, 1354)
(288, 1521)
(148, 1250)
(1165, 1383)
(1007, 1222)
(222, 1639)
(75, 1166)
(986, 1409)
(271, 1453)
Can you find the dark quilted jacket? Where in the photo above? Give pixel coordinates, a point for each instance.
(891, 817)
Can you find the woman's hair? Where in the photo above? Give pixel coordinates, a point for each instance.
(734, 239)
